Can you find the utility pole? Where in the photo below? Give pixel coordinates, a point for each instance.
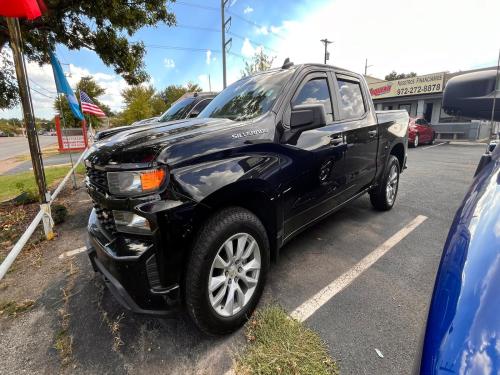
(29, 117)
(224, 24)
(209, 84)
(366, 66)
(326, 42)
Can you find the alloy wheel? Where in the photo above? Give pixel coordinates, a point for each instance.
(392, 185)
(234, 274)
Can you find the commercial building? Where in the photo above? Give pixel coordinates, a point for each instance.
(422, 96)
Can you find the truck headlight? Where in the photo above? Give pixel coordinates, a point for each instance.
(128, 222)
(135, 182)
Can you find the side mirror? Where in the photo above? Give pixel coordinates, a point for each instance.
(307, 116)
(194, 114)
(471, 95)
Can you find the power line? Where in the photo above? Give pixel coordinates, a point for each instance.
(41, 87)
(41, 93)
(229, 33)
(179, 48)
(215, 9)
(206, 7)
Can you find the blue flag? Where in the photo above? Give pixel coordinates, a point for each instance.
(63, 87)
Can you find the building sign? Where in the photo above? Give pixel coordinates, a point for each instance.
(428, 84)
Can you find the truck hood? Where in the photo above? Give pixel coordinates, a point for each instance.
(112, 131)
(174, 142)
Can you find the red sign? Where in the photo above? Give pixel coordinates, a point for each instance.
(73, 139)
(380, 90)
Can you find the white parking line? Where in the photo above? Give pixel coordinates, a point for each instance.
(68, 254)
(437, 144)
(310, 306)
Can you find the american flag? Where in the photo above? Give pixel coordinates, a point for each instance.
(89, 107)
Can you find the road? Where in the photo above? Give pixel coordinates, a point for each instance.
(52, 160)
(14, 146)
(384, 308)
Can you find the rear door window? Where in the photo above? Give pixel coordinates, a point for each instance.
(351, 103)
(316, 91)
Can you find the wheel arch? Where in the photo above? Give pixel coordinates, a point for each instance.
(254, 195)
(398, 150)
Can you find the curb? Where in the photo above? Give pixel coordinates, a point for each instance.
(465, 143)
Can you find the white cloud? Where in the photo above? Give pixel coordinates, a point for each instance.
(203, 82)
(247, 49)
(42, 80)
(248, 9)
(169, 63)
(263, 30)
(208, 57)
(447, 47)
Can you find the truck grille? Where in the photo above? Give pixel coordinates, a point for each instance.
(98, 178)
(105, 217)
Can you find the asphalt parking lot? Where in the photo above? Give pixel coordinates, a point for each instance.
(384, 308)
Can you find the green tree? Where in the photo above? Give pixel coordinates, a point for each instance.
(141, 102)
(392, 76)
(8, 83)
(93, 90)
(259, 63)
(103, 26)
(173, 92)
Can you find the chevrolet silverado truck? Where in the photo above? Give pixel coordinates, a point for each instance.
(188, 214)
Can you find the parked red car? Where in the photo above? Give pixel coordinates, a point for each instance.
(420, 131)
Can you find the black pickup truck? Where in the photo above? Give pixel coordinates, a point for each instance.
(189, 213)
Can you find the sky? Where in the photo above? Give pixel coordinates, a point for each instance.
(424, 36)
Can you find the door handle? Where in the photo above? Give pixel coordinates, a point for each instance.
(372, 133)
(336, 141)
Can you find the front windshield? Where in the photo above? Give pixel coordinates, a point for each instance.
(178, 110)
(247, 98)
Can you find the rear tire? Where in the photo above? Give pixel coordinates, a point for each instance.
(384, 195)
(222, 285)
(432, 139)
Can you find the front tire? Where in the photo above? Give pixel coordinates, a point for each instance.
(416, 141)
(383, 196)
(227, 270)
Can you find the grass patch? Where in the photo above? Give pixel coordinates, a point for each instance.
(13, 185)
(278, 344)
(13, 308)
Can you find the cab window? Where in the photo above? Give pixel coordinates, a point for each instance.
(351, 103)
(316, 91)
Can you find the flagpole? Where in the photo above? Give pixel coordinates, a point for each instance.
(67, 141)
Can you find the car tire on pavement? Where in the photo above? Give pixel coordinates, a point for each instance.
(384, 195)
(227, 270)
(416, 141)
(432, 139)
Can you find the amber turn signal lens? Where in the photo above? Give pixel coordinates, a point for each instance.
(151, 180)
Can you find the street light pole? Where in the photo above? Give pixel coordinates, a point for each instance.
(366, 66)
(326, 42)
(29, 117)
